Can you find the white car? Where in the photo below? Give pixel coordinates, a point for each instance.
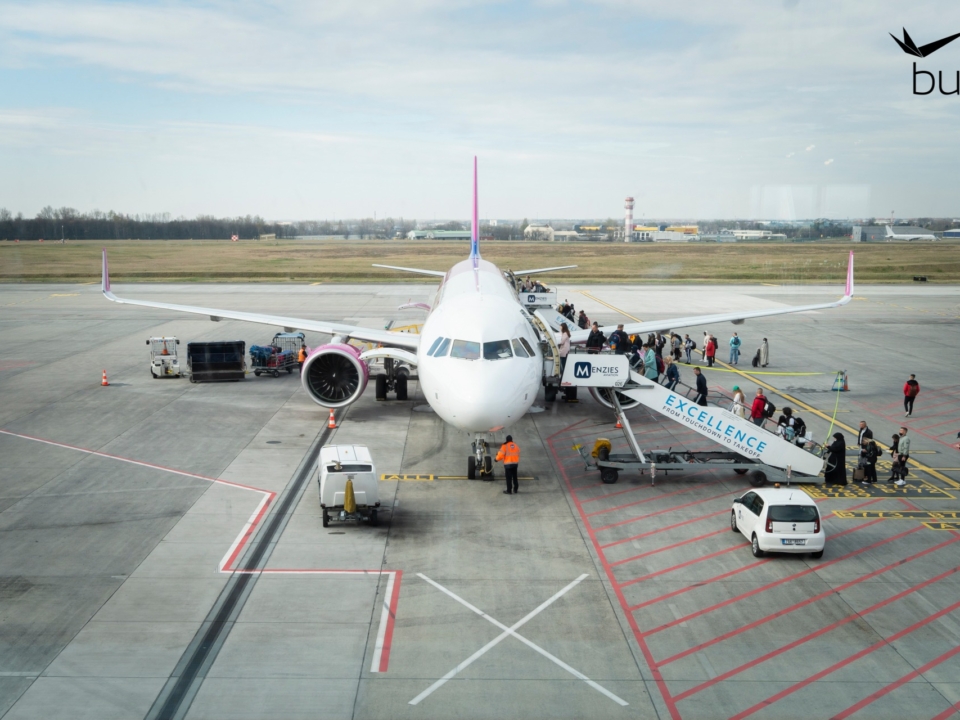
(779, 520)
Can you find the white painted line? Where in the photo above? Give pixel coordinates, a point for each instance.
(508, 631)
(384, 623)
(244, 533)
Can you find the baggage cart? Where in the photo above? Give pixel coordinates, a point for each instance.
(280, 354)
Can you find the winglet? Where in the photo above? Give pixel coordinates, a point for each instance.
(849, 290)
(105, 276)
(475, 226)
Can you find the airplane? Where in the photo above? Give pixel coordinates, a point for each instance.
(479, 355)
(892, 234)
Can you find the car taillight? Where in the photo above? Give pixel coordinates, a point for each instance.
(769, 525)
(816, 525)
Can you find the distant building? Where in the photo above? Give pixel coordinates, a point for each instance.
(565, 235)
(538, 232)
(438, 235)
(951, 233)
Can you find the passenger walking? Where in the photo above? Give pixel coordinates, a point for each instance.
(903, 453)
(868, 461)
(911, 388)
(764, 353)
(894, 458)
(619, 340)
(688, 346)
(673, 373)
(864, 433)
(301, 357)
(759, 408)
(661, 342)
(583, 322)
(595, 339)
(701, 388)
(836, 473)
(677, 344)
(564, 346)
(650, 363)
(710, 350)
(510, 455)
(739, 402)
(734, 349)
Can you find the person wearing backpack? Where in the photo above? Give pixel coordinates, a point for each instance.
(710, 350)
(689, 346)
(661, 365)
(734, 349)
(911, 388)
(868, 461)
(800, 428)
(757, 408)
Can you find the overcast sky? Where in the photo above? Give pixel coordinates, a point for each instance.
(302, 110)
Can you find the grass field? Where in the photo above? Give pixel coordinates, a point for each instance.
(339, 261)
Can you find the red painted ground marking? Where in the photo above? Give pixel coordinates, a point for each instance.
(663, 529)
(847, 661)
(638, 502)
(808, 601)
(246, 532)
(678, 566)
(949, 712)
(388, 635)
(724, 576)
(906, 422)
(873, 697)
(567, 428)
(669, 547)
(660, 512)
(952, 421)
(781, 581)
(644, 650)
(639, 486)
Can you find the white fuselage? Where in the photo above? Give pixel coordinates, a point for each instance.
(479, 360)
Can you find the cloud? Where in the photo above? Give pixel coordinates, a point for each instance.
(828, 162)
(810, 147)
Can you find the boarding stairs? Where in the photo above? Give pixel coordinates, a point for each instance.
(611, 376)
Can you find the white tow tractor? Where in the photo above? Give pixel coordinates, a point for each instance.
(163, 357)
(349, 486)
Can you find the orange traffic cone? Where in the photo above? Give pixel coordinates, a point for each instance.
(846, 385)
(332, 422)
(103, 382)
(618, 426)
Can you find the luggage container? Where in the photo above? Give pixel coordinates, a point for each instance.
(349, 486)
(280, 354)
(224, 360)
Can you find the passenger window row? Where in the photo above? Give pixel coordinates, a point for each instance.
(470, 350)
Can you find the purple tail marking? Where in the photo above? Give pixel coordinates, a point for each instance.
(475, 227)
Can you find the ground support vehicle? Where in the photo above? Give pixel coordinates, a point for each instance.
(281, 354)
(748, 448)
(163, 357)
(779, 520)
(349, 485)
(224, 360)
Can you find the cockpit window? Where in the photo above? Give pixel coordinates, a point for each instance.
(526, 346)
(436, 344)
(518, 349)
(440, 347)
(497, 350)
(465, 350)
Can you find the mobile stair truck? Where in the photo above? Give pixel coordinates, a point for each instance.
(748, 447)
(349, 486)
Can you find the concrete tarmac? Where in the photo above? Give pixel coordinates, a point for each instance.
(120, 504)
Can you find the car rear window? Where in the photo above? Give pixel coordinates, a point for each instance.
(792, 513)
(349, 468)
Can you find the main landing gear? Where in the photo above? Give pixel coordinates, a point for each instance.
(480, 462)
(394, 379)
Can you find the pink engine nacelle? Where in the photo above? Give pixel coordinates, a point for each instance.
(334, 375)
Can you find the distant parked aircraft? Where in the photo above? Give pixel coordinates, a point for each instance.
(893, 235)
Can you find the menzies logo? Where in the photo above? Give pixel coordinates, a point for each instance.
(923, 51)
(582, 370)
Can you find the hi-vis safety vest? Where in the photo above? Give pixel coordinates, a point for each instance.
(509, 453)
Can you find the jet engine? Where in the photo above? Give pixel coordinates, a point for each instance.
(604, 397)
(334, 376)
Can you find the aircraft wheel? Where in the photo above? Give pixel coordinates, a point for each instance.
(550, 393)
(401, 387)
(381, 387)
(471, 468)
(758, 479)
(488, 465)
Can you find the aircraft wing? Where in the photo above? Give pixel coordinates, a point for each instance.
(580, 336)
(418, 271)
(387, 337)
(536, 271)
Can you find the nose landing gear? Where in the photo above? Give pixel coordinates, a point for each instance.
(480, 462)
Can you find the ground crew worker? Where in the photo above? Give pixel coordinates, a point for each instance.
(510, 454)
(301, 357)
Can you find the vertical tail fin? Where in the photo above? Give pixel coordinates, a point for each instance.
(475, 226)
(848, 292)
